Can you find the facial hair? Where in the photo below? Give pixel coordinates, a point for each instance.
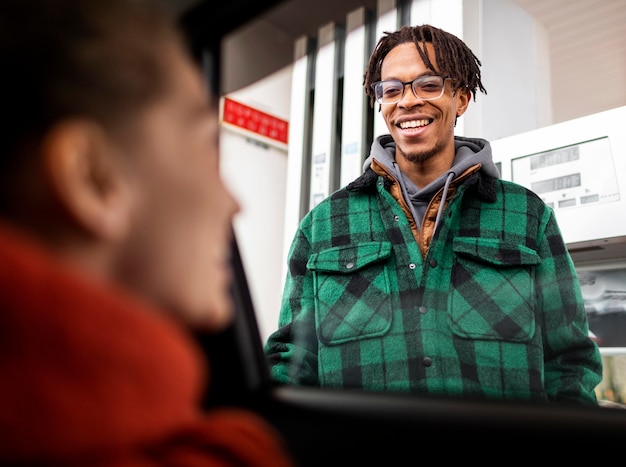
(420, 156)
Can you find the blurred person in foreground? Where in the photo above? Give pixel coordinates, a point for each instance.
(114, 233)
(429, 274)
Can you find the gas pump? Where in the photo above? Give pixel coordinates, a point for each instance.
(578, 168)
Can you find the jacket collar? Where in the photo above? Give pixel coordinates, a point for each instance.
(483, 184)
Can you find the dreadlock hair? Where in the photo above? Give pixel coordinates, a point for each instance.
(452, 57)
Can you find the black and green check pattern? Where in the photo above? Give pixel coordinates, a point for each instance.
(493, 310)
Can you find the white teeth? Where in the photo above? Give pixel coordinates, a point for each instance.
(413, 124)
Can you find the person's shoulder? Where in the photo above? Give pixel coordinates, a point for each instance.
(509, 189)
(320, 208)
(340, 203)
(336, 196)
(510, 186)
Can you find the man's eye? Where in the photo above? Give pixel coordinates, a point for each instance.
(392, 90)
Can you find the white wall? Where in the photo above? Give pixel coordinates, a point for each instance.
(254, 169)
(515, 71)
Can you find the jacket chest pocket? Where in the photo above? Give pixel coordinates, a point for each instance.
(352, 291)
(492, 290)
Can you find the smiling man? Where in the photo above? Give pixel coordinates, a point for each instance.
(429, 274)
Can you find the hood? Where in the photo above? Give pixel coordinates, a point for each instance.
(468, 153)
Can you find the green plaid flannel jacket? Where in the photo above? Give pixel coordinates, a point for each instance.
(493, 310)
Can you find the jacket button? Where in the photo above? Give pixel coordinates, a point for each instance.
(396, 218)
(423, 310)
(427, 361)
(433, 263)
(412, 266)
(349, 265)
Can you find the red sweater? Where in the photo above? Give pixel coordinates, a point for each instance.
(92, 377)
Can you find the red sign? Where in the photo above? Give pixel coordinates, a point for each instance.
(254, 120)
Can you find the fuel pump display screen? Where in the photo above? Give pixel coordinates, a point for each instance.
(558, 183)
(560, 156)
(576, 175)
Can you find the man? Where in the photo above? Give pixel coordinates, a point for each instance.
(114, 224)
(428, 273)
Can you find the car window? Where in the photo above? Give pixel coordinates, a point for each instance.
(280, 179)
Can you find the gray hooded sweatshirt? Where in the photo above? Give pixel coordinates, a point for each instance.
(468, 152)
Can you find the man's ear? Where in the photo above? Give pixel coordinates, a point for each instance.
(87, 177)
(463, 97)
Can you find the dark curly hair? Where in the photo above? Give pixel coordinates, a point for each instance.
(452, 56)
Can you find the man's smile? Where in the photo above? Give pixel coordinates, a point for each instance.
(415, 123)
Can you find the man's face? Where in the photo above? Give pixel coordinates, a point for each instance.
(423, 130)
(179, 241)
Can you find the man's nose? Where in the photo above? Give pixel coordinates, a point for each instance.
(409, 97)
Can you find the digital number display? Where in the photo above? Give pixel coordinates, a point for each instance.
(558, 183)
(595, 198)
(558, 156)
(556, 175)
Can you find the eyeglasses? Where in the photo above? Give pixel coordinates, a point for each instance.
(427, 88)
